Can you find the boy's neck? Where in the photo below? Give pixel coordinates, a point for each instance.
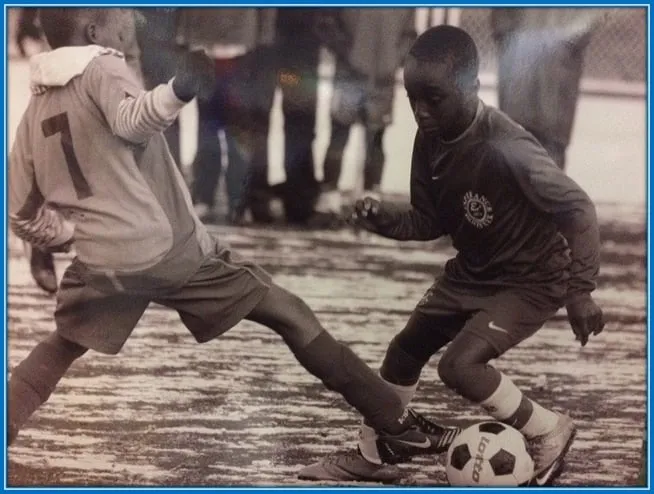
(78, 39)
(466, 121)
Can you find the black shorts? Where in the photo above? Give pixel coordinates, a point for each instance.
(220, 294)
(503, 317)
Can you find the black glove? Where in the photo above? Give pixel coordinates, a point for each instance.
(370, 214)
(585, 317)
(195, 76)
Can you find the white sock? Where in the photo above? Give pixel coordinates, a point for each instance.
(541, 422)
(406, 393)
(368, 436)
(507, 404)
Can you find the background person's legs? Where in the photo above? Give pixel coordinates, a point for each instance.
(207, 165)
(378, 116)
(298, 79)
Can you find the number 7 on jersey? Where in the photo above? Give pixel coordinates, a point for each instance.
(58, 124)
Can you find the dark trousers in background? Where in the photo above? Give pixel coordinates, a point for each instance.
(356, 99)
(373, 167)
(292, 65)
(229, 110)
(159, 52)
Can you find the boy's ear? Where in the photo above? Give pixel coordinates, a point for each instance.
(91, 33)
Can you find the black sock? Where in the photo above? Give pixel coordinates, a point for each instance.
(341, 370)
(35, 378)
(399, 367)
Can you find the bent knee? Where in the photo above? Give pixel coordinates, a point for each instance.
(448, 372)
(471, 379)
(457, 371)
(288, 315)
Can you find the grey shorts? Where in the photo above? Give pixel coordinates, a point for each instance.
(502, 316)
(220, 294)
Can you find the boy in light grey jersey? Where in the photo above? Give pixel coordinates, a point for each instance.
(90, 165)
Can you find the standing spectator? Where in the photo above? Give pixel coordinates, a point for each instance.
(156, 32)
(237, 39)
(541, 55)
(28, 29)
(370, 46)
(294, 69)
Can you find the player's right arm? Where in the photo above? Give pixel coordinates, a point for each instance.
(29, 216)
(408, 222)
(133, 114)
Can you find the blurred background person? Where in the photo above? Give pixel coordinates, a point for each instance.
(370, 46)
(293, 68)
(156, 31)
(29, 37)
(541, 57)
(238, 40)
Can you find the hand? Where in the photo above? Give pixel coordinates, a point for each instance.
(366, 213)
(195, 76)
(585, 317)
(65, 247)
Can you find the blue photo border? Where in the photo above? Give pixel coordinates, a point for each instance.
(3, 265)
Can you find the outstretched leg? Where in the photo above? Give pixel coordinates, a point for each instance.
(35, 378)
(341, 370)
(406, 356)
(329, 360)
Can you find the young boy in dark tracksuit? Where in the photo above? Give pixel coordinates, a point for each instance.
(528, 243)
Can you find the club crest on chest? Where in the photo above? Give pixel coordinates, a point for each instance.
(478, 210)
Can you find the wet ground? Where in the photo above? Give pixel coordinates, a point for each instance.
(241, 411)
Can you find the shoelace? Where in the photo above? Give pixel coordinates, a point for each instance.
(428, 426)
(447, 434)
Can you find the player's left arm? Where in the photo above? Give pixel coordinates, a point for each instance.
(135, 114)
(555, 193)
(30, 218)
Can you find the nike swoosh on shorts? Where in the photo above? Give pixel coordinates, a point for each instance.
(494, 326)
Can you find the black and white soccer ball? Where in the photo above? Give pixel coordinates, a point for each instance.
(489, 454)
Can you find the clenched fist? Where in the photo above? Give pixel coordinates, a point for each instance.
(195, 76)
(370, 214)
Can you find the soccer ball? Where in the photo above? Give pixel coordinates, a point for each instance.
(489, 454)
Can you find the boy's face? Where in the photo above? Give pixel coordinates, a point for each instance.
(118, 30)
(437, 101)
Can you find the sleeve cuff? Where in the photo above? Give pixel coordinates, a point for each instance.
(166, 102)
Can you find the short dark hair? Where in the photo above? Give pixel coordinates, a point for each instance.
(59, 24)
(441, 43)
